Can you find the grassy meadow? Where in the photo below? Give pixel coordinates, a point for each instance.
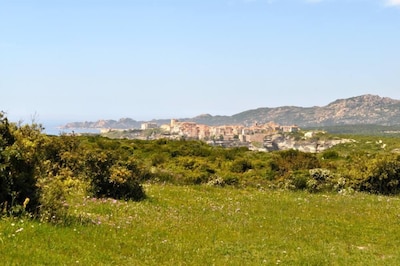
(203, 225)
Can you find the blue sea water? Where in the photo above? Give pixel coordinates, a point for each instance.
(55, 128)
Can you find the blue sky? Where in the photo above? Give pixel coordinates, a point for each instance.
(76, 60)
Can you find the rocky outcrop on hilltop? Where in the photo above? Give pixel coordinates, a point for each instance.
(365, 109)
(287, 142)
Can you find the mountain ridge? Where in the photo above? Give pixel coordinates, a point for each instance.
(364, 109)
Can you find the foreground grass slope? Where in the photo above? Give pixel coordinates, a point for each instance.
(201, 225)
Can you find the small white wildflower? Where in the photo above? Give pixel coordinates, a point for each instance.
(19, 230)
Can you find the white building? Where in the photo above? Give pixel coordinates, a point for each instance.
(148, 125)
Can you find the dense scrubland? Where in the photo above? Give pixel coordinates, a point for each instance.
(184, 202)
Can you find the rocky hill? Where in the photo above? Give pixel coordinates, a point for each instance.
(365, 109)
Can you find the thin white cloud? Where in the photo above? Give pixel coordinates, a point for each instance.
(393, 3)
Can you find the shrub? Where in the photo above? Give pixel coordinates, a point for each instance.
(124, 183)
(158, 158)
(53, 206)
(321, 180)
(240, 166)
(37, 172)
(231, 180)
(330, 155)
(18, 159)
(383, 177)
(116, 179)
(286, 162)
(297, 180)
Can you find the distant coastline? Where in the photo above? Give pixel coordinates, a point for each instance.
(360, 110)
(56, 129)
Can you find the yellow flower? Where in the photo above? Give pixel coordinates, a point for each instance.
(26, 201)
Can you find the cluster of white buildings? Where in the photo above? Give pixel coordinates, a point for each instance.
(193, 130)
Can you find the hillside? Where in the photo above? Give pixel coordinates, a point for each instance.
(365, 109)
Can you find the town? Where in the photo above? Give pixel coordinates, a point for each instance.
(191, 130)
(227, 135)
(259, 137)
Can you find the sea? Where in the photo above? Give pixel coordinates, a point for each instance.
(55, 128)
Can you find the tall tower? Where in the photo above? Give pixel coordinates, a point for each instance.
(173, 122)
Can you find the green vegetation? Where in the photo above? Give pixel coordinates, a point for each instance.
(94, 200)
(203, 225)
(38, 172)
(366, 130)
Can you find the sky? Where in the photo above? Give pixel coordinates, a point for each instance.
(84, 60)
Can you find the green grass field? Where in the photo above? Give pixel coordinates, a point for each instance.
(200, 225)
